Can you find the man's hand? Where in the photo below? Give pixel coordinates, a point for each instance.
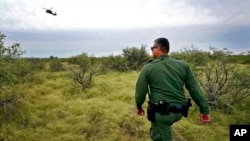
(205, 118)
(140, 112)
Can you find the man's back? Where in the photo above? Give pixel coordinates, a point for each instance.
(166, 77)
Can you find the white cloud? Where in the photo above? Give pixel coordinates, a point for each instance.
(129, 13)
(82, 14)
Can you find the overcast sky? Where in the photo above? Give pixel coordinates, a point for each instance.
(105, 27)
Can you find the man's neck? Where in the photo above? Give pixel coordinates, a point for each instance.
(162, 55)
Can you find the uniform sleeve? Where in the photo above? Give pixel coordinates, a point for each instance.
(141, 89)
(195, 92)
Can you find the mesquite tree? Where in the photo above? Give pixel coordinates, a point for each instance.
(85, 70)
(11, 72)
(225, 84)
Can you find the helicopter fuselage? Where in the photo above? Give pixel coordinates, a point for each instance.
(50, 12)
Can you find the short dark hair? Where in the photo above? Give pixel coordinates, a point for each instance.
(163, 43)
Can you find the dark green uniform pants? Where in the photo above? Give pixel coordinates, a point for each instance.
(161, 129)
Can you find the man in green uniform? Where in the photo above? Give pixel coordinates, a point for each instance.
(165, 78)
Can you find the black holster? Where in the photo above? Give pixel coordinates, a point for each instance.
(151, 112)
(186, 107)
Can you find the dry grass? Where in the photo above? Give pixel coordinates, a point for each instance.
(55, 109)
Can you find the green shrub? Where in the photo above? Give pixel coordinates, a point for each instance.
(55, 65)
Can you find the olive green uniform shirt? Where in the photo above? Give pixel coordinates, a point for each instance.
(166, 78)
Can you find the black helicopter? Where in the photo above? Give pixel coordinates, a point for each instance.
(50, 11)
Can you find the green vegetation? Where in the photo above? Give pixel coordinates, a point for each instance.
(55, 109)
(40, 99)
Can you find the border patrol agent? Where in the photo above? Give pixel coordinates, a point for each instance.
(164, 79)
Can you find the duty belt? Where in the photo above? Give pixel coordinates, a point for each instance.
(164, 108)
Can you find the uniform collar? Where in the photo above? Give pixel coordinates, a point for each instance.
(163, 56)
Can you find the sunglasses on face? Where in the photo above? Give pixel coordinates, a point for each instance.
(153, 47)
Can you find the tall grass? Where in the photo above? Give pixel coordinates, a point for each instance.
(56, 109)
